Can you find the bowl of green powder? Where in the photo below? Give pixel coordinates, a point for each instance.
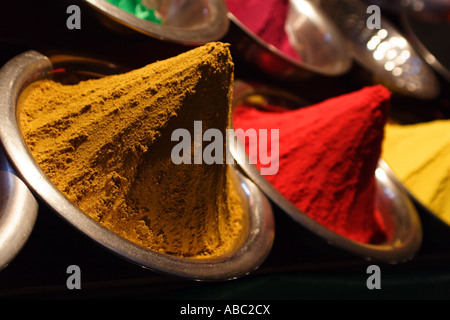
(99, 153)
(186, 22)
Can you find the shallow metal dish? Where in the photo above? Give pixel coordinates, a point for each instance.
(187, 22)
(417, 29)
(324, 50)
(391, 200)
(384, 52)
(18, 212)
(256, 245)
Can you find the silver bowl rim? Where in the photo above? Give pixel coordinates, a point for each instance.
(18, 213)
(424, 52)
(347, 64)
(393, 252)
(32, 65)
(195, 36)
(358, 45)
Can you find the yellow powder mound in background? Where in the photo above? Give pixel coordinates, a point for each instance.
(106, 144)
(419, 154)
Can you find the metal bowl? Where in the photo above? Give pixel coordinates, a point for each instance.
(383, 51)
(391, 200)
(319, 43)
(18, 212)
(435, 52)
(185, 21)
(256, 244)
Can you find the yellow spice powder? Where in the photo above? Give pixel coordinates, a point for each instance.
(419, 154)
(106, 144)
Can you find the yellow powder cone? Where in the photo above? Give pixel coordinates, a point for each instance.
(419, 154)
(106, 144)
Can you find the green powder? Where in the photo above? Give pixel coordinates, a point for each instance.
(136, 8)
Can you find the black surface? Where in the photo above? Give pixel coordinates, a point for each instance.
(297, 267)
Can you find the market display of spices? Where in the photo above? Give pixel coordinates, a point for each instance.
(107, 144)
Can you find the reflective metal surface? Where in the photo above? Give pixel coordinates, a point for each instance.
(257, 243)
(18, 212)
(385, 51)
(184, 21)
(428, 9)
(430, 37)
(391, 200)
(317, 41)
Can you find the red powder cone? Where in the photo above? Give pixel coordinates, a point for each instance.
(328, 154)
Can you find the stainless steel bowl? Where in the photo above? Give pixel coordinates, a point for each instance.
(436, 53)
(316, 38)
(422, 21)
(384, 52)
(185, 21)
(391, 200)
(18, 212)
(256, 245)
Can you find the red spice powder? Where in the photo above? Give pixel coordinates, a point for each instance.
(266, 19)
(328, 154)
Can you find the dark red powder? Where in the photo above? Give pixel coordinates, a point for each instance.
(266, 19)
(328, 154)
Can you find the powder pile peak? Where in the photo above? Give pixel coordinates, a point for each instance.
(106, 144)
(328, 156)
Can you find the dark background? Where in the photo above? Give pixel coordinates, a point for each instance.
(298, 266)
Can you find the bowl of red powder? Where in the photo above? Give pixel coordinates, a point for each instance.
(287, 38)
(326, 169)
